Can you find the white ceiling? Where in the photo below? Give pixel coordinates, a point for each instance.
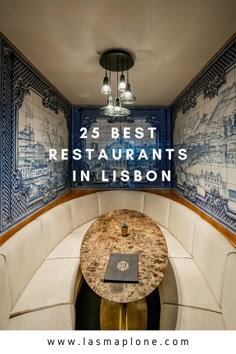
(172, 40)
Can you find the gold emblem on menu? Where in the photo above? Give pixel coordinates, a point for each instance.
(123, 265)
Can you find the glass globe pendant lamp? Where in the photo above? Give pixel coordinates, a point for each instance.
(108, 109)
(127, 97)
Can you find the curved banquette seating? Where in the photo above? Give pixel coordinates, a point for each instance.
(40, 275)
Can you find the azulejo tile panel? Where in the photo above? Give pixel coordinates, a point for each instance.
(34, 118)
(40, 129)
(208, 131)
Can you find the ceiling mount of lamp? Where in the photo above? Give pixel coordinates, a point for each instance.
(119, 61)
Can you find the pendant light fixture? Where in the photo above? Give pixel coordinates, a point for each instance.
(108, 108)
(106, 88)
(127, 97)
(117, 61)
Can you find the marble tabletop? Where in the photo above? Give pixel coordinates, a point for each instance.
(104, 237)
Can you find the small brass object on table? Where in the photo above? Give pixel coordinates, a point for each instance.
(124, 229)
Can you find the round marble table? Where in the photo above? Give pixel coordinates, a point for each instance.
(103, 238)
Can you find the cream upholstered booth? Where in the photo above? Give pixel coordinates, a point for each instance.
(40, 274)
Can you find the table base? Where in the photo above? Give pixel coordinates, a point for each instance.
(117, 316)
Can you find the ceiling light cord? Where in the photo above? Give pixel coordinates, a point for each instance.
(117, 78)
(110, 80)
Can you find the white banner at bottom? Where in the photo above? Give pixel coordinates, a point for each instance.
(28, 342)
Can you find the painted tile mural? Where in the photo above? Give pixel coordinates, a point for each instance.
(40, 129)
(208, 132)
(34, 117)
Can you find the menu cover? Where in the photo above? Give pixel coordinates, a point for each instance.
(122, 268)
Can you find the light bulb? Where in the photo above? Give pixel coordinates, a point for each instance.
(106, 89)
(122, 83)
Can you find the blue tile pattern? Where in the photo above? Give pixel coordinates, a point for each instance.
(21, 146)
(140, 117)
(40, 129)
(208, 132)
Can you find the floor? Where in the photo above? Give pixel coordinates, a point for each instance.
(88, 309)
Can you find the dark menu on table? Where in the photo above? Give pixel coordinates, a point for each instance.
(122, 268)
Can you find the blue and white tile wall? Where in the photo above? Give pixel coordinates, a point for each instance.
(205, 124)
(33, 118)
(40, 129)
(143, 117)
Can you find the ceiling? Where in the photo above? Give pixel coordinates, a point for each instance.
(172, 40)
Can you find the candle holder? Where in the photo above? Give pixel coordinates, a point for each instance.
(124, 229)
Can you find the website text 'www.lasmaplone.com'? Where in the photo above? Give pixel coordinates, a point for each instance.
(117, 342)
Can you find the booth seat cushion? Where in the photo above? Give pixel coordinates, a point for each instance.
(121, 199)
(60, 317)
(24, 253)
(190, 318)
(192, 289)
(5, 302)
(57, 224)
(84, 228)
(229, 292)
(181, 225)
(70, 246)
(84, 209)
(157, 208)
(175, 248)
(210, 250)
(52, 284)
(163, 229)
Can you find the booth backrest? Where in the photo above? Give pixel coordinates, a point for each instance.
(181, 225)
(229, 292)
(5, 304)
(84, 209)
(120, 199)
(157, 208)
(210, 251)
(21, 255)
(24, 253)
(57, 224)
